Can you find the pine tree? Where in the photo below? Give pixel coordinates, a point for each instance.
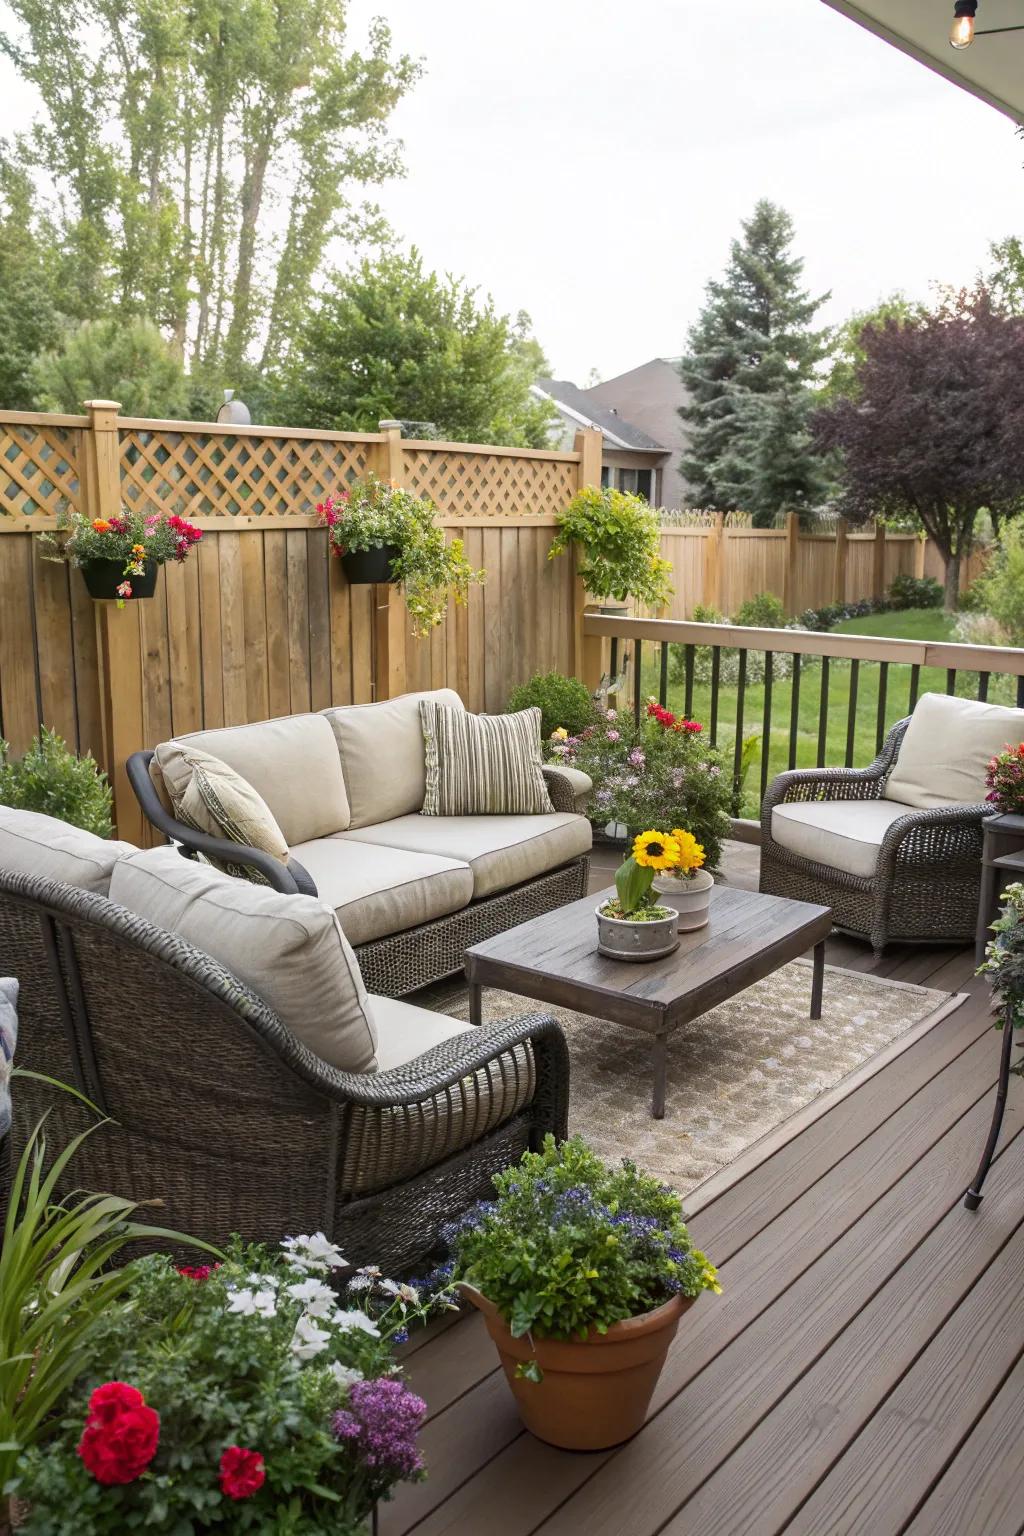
(747, 371)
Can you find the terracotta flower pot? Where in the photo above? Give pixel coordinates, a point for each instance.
(594, 1392)
(103, 577)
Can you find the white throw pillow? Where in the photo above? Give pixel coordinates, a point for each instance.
(288, 949)
(34, 844)
(946, 750)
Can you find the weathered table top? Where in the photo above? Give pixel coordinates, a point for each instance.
(554, 959)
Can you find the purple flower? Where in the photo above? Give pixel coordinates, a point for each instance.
(612, 736)
(381, 1425)
(637, 758)
(677, 778)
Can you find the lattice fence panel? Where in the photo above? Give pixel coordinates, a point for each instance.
(490, 485)
(39, 468)
(210, 474)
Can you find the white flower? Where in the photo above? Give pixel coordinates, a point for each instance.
(356, 1319)
(262, 1282)
(345, 1375)
(373, 1270)
(410, 1294)
(308, 1340)
(248, 1303)
(313, 1254)
(317, 1298)
(390, 1286)
(360, 1283)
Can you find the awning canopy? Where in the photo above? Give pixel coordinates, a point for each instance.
(991, 68)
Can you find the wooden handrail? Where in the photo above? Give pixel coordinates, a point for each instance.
(809, 642)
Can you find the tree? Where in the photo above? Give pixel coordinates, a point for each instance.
(935, 427)
(29, 321)
(389, 340)
(772, 464)
(845, 350)
(1005, 279)
(751, 353)
(128, 361)
(244, 130)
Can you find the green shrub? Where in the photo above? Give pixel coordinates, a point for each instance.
(54, 781)
(972, 598)
(704, 613)
(762, 611)
(915, 592)
(1002, 586)
(563, 702)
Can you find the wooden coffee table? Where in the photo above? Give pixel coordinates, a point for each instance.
(554, 959)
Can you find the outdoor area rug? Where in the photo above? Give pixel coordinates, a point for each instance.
(734, 1074)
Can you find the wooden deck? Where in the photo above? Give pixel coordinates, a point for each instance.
(863, 1372)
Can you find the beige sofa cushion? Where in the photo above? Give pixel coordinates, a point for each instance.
(211, 797)
(841, 834)
(405, 1031)
(382, 755)
(501, 851)
(378, 891)
(288, 949)
(946, 750)
(483, 765)
(33, 844)
(291, 762)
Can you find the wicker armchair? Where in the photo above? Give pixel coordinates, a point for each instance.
(926, 881)
(218, 1113)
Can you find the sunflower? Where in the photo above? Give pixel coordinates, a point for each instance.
(656, 850)
(691, 853)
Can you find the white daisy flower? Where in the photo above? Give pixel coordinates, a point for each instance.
(315, 1254)
(318, 1299)
(345, 1375)
(308, 1340)
(249, 1303)
(358, 1320)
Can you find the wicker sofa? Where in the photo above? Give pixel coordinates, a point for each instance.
(218, 1110)
(895, 848)
(412, 892)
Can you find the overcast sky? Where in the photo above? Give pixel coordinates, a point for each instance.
(590, 160)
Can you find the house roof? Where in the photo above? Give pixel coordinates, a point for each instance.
(992, 68)
(576, 402)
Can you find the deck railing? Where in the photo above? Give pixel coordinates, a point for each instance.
(814, 699)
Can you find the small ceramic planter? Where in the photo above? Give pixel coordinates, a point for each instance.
(103, 577)
(594, 1392)
(364, 567)
(620, 939)
(690, 896)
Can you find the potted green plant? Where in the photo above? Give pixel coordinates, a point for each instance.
(382, 533)
(582, 1273)
(686, 886)
(619, 541)
(632, 925)
(119, 556)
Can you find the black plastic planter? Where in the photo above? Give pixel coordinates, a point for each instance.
(370, 565)
(103, 577)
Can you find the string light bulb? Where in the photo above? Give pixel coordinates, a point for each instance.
(961, 33)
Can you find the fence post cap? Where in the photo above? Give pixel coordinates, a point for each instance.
(102, 405)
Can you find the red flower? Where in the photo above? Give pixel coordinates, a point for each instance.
(121, 1434)
(198, 1271)
(242, 1472)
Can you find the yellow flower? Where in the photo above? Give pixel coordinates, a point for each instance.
(138, 549)
(561, 734)
(691, 853)
(656, 850)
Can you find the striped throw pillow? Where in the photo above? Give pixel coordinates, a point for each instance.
(209, 796)
(482, 765)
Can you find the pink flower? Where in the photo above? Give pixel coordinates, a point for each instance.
(612, 736)
(125, 589)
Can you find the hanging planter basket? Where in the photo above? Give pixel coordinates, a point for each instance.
(366, 566)
(103, 577)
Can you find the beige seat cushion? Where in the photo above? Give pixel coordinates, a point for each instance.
(405, 1031)
(382, 755)
(501, 851)
(211, 797)
(943, 756)
(292, 763)
(288, 949)
(380, 891)
(842, 834)
(483, 765)
(33, 844)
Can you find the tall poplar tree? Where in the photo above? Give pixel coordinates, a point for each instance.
(747, 371)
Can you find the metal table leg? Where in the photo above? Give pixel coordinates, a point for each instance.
(974, 1197)
(658, 1060)
(475, 1004)
(817, 979)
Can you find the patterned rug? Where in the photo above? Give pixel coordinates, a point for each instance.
(734, 1074)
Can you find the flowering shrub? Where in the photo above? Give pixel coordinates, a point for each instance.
(133, 537)
(372, 515)
(660, 772)
(257, 1394)
(1005, 780)
(1004, 963)
(570, 1246)
(619, 538)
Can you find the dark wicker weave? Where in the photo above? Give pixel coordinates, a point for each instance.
(230, 1122)
(402, 962)
(926, 881)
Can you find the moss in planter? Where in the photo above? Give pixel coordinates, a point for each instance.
(641, 915)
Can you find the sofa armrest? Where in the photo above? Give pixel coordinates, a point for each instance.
(937, 836)
(569, 788)
(290, 879)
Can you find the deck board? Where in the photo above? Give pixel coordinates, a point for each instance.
(864, 1368)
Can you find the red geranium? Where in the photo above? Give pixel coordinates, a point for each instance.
(242, 1472)
(121, 1434)
(197, 1271)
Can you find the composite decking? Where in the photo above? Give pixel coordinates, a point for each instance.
(861, 1375)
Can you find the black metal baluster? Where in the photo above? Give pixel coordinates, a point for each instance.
(823, 714)
(613, 664)
(851, 714)
(794, 710)
(983, 678)
(690, 655)
(951, 679)
(883, 688)
(766, 721)
(1020, 693)
(663, 676)
(637, 680)
(716, 668)
(737, 755)
(915, 683)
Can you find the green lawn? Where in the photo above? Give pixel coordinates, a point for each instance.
(912, 624)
